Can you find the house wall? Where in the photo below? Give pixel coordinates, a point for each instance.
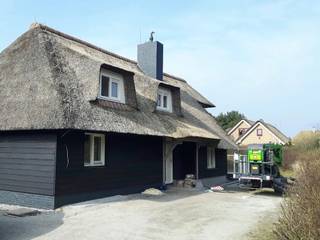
(133, 163)
(235, 134)
(221, 163)
(266, 137)
(27, 168)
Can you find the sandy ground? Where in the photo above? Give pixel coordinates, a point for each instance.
(178, 214)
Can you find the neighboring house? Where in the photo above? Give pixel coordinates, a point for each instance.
(78, 122)
(247, 132)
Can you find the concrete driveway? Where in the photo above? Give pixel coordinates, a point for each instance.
(178, 214)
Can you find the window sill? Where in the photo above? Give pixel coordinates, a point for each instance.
(164, 110)
(212, 168)
(110, 99)
(94, 166)
(107, 104)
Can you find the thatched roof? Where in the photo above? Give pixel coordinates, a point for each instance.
(50, 80)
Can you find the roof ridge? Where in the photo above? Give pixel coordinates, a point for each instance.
(78, 40)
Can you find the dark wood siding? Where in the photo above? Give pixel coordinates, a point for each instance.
(221, 163)
(27, 162)
(133, 163)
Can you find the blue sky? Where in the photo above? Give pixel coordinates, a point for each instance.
(259, 57)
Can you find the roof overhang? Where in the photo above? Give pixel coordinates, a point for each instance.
(116, 69)
(206, 105)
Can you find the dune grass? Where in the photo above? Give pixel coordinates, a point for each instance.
(300, 213)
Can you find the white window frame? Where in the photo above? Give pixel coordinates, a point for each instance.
(211, 157)
(113, 78)
(164, 92)
(101, 162)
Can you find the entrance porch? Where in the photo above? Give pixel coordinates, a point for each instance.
(200, 158)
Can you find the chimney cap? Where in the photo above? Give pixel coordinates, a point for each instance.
(151, 36)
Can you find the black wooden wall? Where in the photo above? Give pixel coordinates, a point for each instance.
(133, 163)
(27, 162)
(221, 163)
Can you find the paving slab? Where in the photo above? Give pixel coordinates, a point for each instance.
(22, 212)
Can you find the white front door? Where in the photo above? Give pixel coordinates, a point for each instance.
(169, 169)
(168, 146)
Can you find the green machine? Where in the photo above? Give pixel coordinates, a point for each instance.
(260, 167)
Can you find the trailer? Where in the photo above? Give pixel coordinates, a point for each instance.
(259, 167)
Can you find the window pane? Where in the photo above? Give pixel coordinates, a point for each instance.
(259, 132)
(159, 100)
(105, 86)
(114, 89)
(213, 158)
(165, 105)
(87, 150)
(97, 149)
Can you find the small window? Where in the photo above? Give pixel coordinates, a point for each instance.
(242, 131)
(94, 149)
(211, 158)
(164, 102)
(111, 86)
(259, 132)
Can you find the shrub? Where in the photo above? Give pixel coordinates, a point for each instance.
(307, 140)
(304, 142)
(290, 155)
(300, 215)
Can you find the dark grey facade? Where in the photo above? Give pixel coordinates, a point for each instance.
(132, 164)
(221, 163)
(46, 169)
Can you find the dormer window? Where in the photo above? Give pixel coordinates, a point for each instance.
(111, 86)
(164, 100)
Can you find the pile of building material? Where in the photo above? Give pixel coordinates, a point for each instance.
(217, 188)
(152, 192)
(190, 181)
